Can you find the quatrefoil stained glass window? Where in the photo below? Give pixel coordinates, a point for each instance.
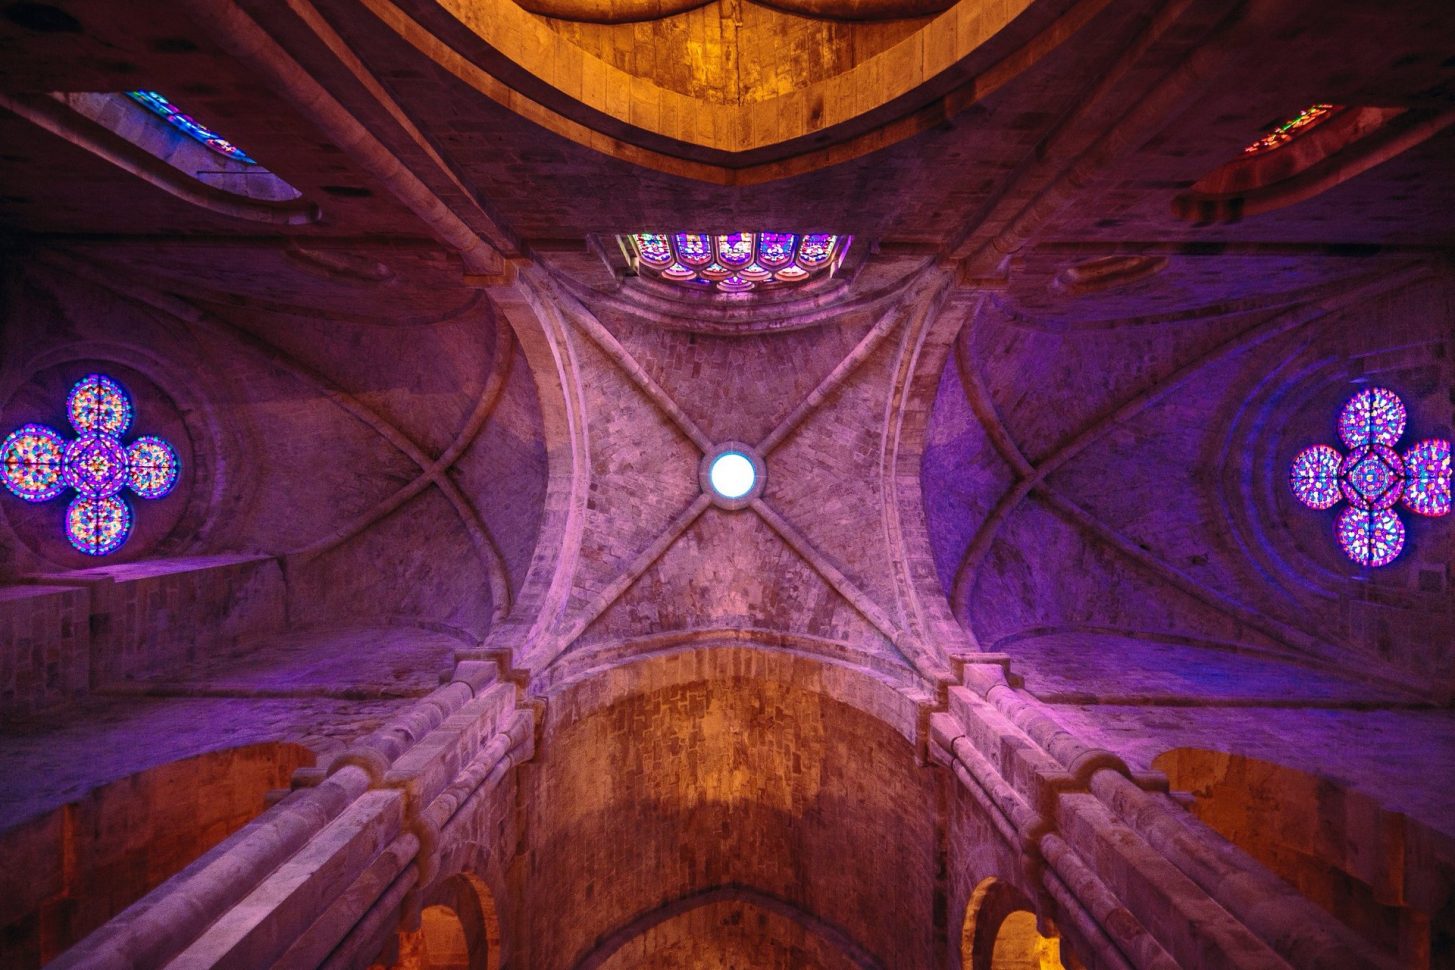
(1372, 477)
(737, 262)
(38, 464)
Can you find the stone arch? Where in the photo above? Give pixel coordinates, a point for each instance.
(1002, 932)
(458, 929)
(751, 768)
(468, 899)
(1384, 875)
(829, 946)
(680, 658)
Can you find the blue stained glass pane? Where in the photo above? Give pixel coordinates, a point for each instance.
(97, 403)
(1372, 477)
(97, 526)
(31, 461)
(158, 104)
(815, 249)
(152, 467)
(95, 465)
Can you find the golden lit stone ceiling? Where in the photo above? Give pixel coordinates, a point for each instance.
(732, 78)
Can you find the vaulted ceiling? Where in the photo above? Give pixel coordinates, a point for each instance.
(1039, 413)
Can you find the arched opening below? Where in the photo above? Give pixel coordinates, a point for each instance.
(1001, 932)
(1020, 946)
(442, 940)
(458, 930)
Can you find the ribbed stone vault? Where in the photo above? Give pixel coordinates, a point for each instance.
(1019, 625)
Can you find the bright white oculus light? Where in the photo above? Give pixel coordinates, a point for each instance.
(732, 475)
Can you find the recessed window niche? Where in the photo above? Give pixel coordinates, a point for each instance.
(153, 123)
(147, 135)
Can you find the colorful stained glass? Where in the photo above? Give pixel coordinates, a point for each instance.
(1373, 477)
(815, 250)
(38, 465)
(1287, 130)
(1315, 477)
(739, 261)
(693, 248)
(97, 403)
(1375, 415)
(776, 248)
(152, 467)
(735, 249)
(185, 123)
(31, 459)
(1427, 477)
(95, 465)
(1370, 538)
(654, 249)
(97, 526)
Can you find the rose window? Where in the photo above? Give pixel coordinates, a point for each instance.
(38, 465)
(1372, 477)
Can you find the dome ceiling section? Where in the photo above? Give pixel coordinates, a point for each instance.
(637, 11)
(716, 92)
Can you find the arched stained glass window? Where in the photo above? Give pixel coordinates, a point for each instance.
(736, 262)
(38, 464)
(1287, 130)
(158, 103)
(1372, 477)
